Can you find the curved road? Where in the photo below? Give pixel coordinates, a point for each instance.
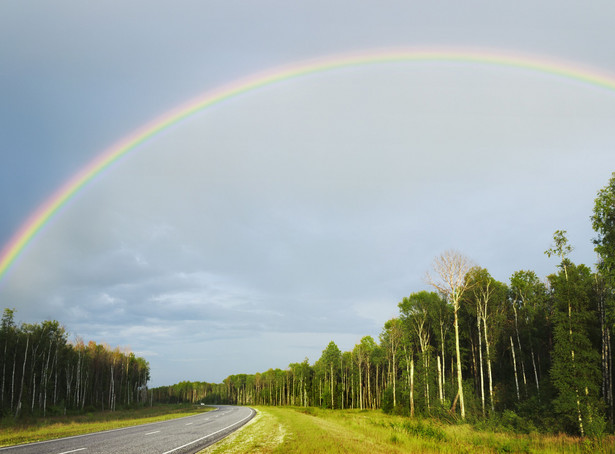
(177, 436)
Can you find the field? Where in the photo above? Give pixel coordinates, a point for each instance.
(310, 430)
(39, 429)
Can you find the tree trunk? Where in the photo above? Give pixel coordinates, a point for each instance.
(610, 368)
(576, 389)
(520, 352)
(443, 393)
(458, 353)
(512, 349)
(23, 374)
(425, 373)
(360, 388)
(45, 382)
(440, 380)
(33, 392)
(394, 381)
(412, 387)
(535, 372)
(488, 364)
(6, 341)
(13, 379)
(480, 361)
(332, 397)
(369, 387)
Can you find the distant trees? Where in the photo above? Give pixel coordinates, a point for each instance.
(43, 372)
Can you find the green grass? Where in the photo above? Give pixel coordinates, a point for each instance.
(38, 429)
(311, 430)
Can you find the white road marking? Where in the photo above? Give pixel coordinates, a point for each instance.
(74, 450)
(207, 436)
(8, 448)
(152, 433)
(189, 424)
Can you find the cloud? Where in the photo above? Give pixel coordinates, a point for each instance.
(255, 232)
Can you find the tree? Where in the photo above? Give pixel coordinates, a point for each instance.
(573, 368)
(441, 319)
(362, 355)
(7, 337)
(450, 270)
(603, 223)
(391, 338)
(415, 313)
(527, 294)
(483, 298)
(331, 359)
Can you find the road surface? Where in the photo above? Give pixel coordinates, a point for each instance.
(176, 436)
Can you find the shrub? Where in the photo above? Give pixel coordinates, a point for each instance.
(512, 421)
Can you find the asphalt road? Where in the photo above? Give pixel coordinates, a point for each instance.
(177, 436)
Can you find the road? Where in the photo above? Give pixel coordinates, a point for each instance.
(177, 436)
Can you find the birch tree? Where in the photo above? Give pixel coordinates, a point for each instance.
(448, 277)
(415, 311)
(527, 294)
(391, 339)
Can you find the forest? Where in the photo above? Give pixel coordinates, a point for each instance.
(44, 374)
(536, 352)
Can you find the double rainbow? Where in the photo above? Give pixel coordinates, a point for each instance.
(52, 205)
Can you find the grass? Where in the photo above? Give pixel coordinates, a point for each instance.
(263, 433)
(311, 430)
(38, 429)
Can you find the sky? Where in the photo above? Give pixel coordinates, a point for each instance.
(251, 234)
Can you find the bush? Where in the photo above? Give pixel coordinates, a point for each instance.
(387, 400)
(420, 429)
(515, 423)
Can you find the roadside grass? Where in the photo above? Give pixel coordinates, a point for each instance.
(263, 433)
(312, 430)
(32, 429)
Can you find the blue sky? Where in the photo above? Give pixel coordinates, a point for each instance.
(255, 232)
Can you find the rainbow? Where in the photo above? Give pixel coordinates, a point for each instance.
(53, 204)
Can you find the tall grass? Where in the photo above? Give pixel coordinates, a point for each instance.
(312, 430)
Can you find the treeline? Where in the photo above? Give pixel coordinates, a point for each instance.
(43, 373)
(538, 351)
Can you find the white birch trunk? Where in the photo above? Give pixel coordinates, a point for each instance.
(23, 373)
(443, 394)
(459, 375)
(440, 380)
(512, 348)
(412, 387)
(488, 364)
(480, 361)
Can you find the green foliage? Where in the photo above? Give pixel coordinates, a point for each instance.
(575, 369)
(387, 400)
(603, 222)
(515, 423)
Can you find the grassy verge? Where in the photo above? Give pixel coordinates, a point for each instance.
(263, 433)
(298, 430)
(39, 429)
